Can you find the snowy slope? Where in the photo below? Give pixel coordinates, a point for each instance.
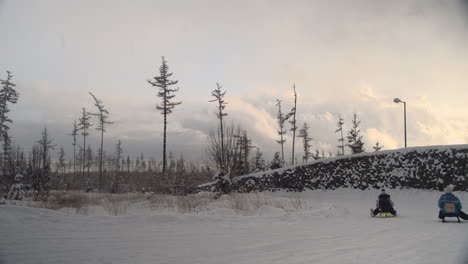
(330, 227)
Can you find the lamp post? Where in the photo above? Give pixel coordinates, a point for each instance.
(397, 100)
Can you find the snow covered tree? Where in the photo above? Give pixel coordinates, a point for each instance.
(277, 162)
(218, 94)
(377, 147)
(17, 189)
(316, 156)
(103, 116)
(165, 92)
(341, 139)
(84, 125)
(304, 134)
(293, 123)
(355, 142)
(222, 182)
(281, 118)
(258, 161)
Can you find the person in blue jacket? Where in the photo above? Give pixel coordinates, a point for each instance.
(448, 196)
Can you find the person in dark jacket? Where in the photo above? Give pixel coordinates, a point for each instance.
(384, 204)
(449, 197)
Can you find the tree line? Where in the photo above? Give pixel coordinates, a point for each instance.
(230, 151)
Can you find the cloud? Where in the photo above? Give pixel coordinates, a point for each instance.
(343, 57)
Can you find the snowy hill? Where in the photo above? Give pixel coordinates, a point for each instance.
(431, 167)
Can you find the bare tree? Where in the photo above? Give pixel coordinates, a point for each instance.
(219, 99)
(293, 122)
(231, 148)
(341, 140)
(84, 125)
(304, 134)
(102, 115)
(167, 94)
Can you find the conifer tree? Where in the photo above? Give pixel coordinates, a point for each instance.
(61, 161)
(102, 115)
(84, 126)
(89, 159)
(277, 162)
(293, 123)
(218, 94)
(8, 95)
(74, 134)
(355, 142)
(46, 144)
(166, 93)
(258, 162)
(377, 147)
(341, 139)
(39, 164)
(281, 118)
(304, 134)
(118, 154)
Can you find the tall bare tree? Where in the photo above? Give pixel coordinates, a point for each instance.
(341, 139)
(219, 99)
(84, 125)
(293, 123)
(102, 115)
(164, 83)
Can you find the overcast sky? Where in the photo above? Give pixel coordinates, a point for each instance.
(344, 57)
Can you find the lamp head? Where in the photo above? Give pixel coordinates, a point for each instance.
(397, 100)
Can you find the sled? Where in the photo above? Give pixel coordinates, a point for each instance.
(382, 214)
(450, 211)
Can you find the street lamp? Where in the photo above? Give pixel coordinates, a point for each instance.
(397, 100)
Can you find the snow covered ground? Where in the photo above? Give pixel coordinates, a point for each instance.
(309, 227)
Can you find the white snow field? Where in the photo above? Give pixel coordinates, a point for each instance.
(308, 227)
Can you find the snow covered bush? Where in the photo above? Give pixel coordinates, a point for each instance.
(418, 167)
(17, 189)
(222, 182)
